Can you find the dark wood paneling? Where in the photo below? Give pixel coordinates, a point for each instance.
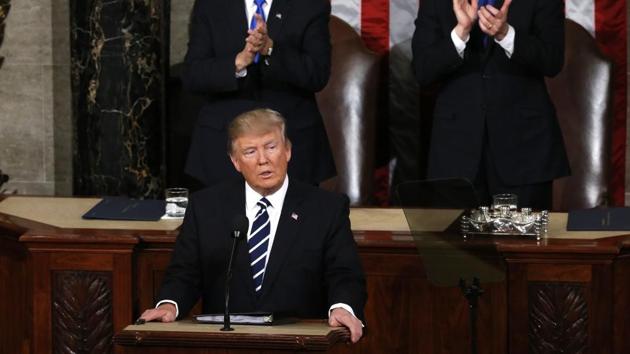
(543, 272)
(558, 318)
(42, 291)
(405, 313)
(600, 304)
(517, 309)
(82, 291)
(123, 290)
(82, 312)
(621, 305)
(568, 307)
(15, 311)
(408, 313)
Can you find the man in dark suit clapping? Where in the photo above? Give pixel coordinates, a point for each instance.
(300, 258)
(493, 121)
(246, 54)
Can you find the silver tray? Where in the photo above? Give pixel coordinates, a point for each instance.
(505, 221)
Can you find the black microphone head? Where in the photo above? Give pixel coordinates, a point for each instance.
(240, 226)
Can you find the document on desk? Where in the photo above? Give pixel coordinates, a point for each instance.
(599, 219)
(249, 318)
(123, 208)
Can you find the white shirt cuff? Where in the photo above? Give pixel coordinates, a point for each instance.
(345, 307)
(460, 45)
(507, 43)
(240, 74)
(169, 302)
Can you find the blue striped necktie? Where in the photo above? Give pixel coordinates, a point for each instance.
(259, 243)
(252, 24)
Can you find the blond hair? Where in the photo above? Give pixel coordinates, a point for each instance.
(258, 121)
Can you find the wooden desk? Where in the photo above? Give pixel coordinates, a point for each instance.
(64, 287)
(187, 337)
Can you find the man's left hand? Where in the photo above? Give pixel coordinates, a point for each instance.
(341, 317)
(493, 21)
(263, 35)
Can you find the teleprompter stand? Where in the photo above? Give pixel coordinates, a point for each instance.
(433, 209)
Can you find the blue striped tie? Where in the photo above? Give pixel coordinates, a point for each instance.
(259, 243)
(252, 24)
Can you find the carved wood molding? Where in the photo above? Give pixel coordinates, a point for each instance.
(558, 318)
(82, 312)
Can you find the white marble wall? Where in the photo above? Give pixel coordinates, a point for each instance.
(35, 98)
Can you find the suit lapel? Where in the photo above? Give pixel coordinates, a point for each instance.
(286, 235)
(275, 19)
(236, 18)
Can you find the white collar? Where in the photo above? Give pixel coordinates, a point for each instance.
(276, 199)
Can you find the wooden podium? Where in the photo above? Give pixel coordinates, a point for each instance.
(69, 285)
(189, 338)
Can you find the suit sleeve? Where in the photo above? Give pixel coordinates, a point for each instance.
(344, 274)
(541, 49)
(305, 65)
(434, 54)
(204, 70)
(182, 279)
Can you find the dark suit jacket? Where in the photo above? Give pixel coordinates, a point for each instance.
(313, 262)
(488, 94)
(286, 81)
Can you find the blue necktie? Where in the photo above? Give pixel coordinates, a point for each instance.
(252, 25)
(481, 4)
(259, 243)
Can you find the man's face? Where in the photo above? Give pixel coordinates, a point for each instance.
(262, 160)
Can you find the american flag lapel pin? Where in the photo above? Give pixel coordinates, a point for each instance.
(294, 216)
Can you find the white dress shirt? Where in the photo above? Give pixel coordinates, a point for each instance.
(507, 43)
(250, 9)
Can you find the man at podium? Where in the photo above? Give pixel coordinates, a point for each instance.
(300, 257)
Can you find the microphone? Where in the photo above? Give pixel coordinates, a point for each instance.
(240, 226)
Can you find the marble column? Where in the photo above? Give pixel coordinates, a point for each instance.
(5, 6)
(118, 66)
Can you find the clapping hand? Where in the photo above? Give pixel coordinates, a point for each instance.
(466, 14)
(493, 22)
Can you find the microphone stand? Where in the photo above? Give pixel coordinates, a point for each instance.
(472, 293)
(236, 234)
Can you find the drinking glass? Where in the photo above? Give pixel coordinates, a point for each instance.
(176, 201)
(504, 200)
